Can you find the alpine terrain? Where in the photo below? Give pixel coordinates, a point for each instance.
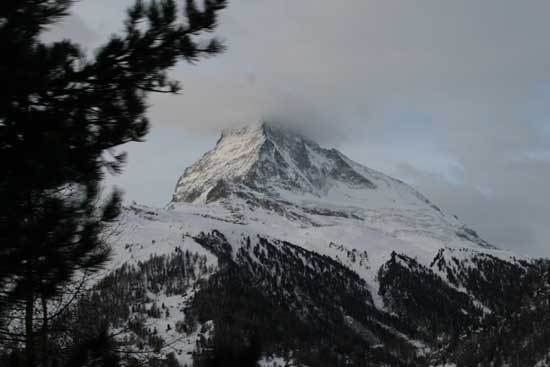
(275, 251)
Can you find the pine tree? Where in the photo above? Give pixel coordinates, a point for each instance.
(61, 118)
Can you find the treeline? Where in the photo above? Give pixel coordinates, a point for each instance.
(291, 301)
(496, 283)
(507, 324)
(520, 337)
(126, 301)
(431, 306)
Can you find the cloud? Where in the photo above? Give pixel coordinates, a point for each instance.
(452, 96)
(509, 218)
(73, 27)
(323, 64)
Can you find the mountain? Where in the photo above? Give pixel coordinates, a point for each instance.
(275, 248)
(263, 169)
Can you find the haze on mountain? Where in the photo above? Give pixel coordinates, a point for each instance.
(451, 97)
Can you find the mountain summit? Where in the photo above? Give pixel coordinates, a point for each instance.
(266, 158)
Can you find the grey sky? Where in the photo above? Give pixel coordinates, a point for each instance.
(452, 97)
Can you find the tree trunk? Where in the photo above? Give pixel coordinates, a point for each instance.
(29, 337)
(44, 341)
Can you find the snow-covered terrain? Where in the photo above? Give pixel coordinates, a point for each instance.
(261, 181)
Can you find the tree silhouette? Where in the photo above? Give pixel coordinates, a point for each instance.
(61, 116)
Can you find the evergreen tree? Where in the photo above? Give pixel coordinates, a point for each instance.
(61, 117)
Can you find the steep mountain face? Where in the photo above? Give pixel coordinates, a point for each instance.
(264, 169)
(297, 254)
(266, 160)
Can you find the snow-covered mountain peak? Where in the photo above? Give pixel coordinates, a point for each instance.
(266, 174)
(267, 159)
(231, 159)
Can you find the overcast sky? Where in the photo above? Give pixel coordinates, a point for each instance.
(452, 97)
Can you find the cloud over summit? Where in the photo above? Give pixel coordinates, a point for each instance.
(452, 96)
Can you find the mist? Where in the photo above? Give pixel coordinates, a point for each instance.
(452, 97)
